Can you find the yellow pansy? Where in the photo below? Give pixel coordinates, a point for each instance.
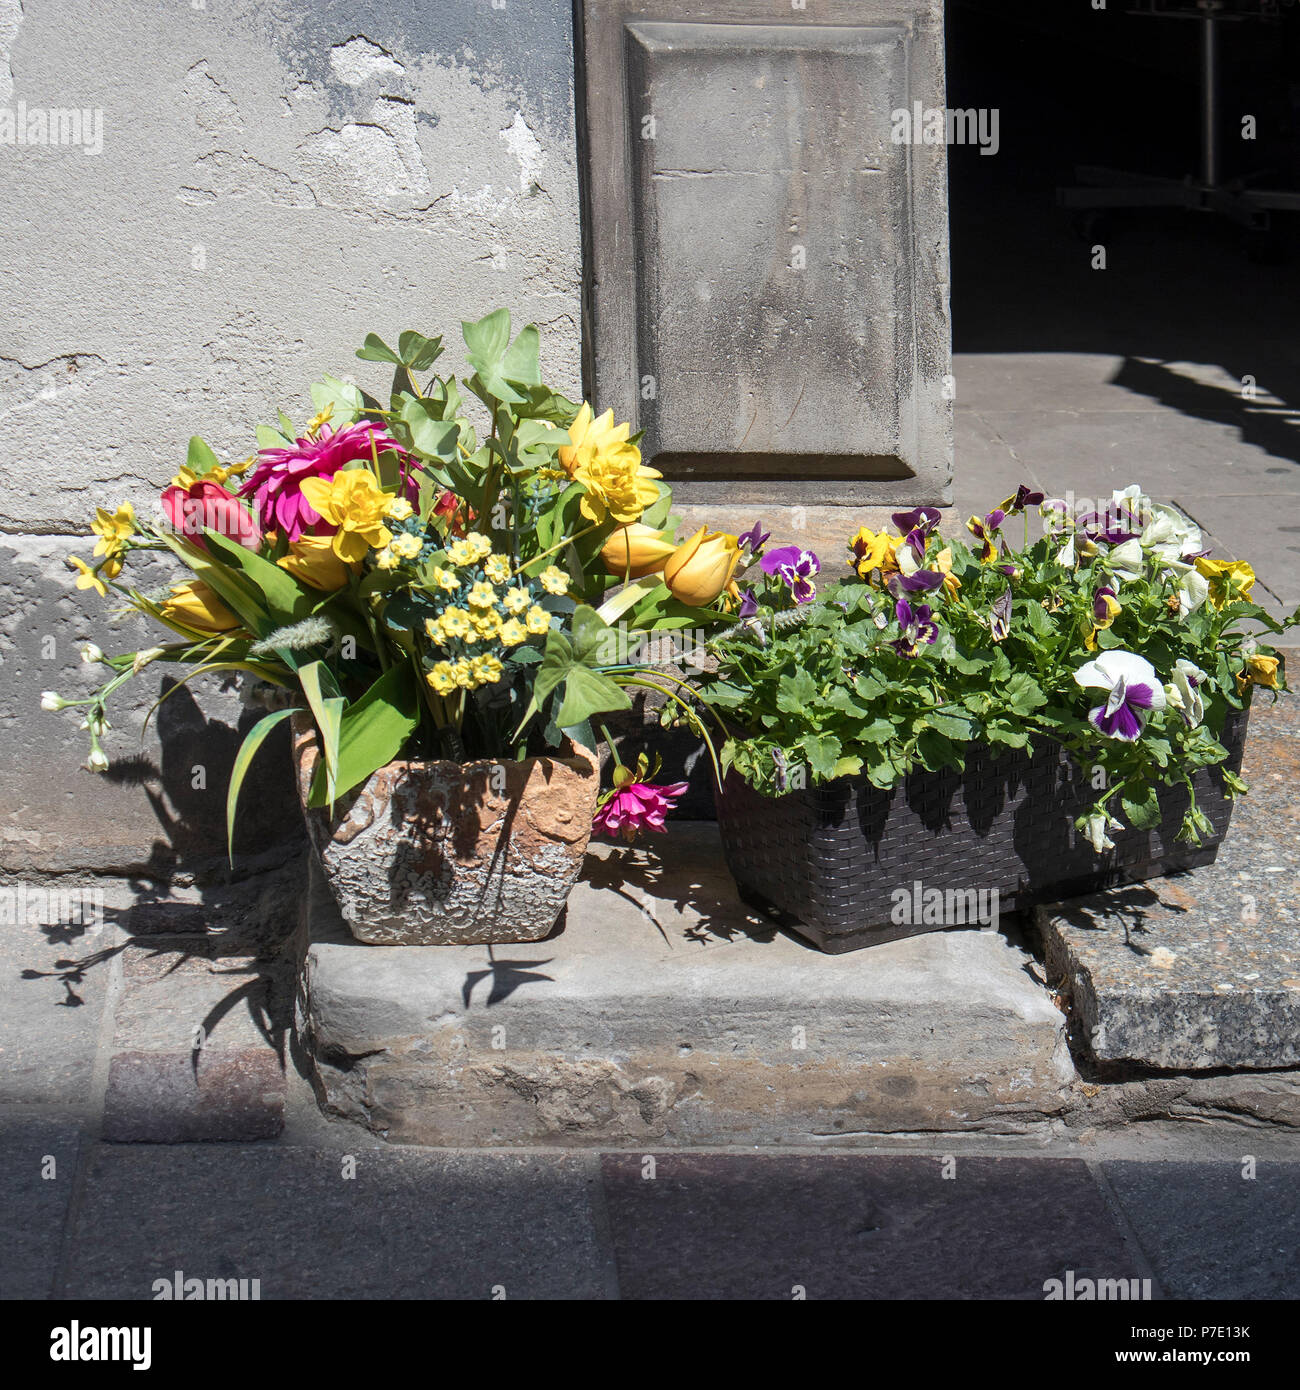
(538, 620)
(312, 559)
(497, 568)
(554, 580)
(86, 577)
(516, 600)
(442, 678)
(194, 605)
(1229, 579)
(351, 502)
(1259, 670)
(482, 595)
(512, 632)
(943, 563)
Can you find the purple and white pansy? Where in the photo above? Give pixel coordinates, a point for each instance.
(1133, 692)
(796, 568)
(917, 626)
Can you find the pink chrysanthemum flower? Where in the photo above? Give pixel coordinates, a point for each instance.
(276, 482)
(636, 806)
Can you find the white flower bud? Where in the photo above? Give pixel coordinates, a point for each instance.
(91, 654)
(97, 761)
(52, 700)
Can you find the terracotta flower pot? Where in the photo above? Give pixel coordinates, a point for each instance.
(447, 853)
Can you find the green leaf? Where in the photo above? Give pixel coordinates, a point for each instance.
(520, 364)
(253, 740)
(372, 732)
(376, 350)
(283, 598)
(326, 705)
(1022, 694)
(880, 730)
(587, 694)
(345, 399)
(487, 339)
(430, 433)
(200, 459)
(822, 752)
(1141, 806)
(418, 352)
(796, 692)
(961, 728)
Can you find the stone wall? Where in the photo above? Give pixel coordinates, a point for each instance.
(251, 187)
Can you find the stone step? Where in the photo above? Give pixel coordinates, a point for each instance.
(664, 1010)
(1202, 970)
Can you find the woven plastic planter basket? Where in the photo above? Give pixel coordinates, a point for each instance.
(827, 861)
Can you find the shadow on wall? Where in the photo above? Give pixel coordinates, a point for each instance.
(187, 904)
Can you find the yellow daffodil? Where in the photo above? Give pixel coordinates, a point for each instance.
(1229, 579)
(635, 550)
(194, 605)
(1259, 670)
(538, 620)
(512, 632)
(442, 677)
(554, 580)
(114, 529)
(351, 502)
(497, 568)
(516, 601)
(702, 567)
(86, 577)
(312, 559)
(487, 669)
(600, 457)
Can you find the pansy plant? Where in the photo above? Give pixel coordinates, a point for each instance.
(1112, 633)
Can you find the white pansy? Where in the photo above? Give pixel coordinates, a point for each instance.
(1192, 592)
(1095, 831)
(1067, 558)
(1183, 692)
(1126, 562)
(1169, 534)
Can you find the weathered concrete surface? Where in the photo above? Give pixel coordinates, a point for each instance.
(664, 1011)
(269, 183)
(1200, 971)
(769, 260)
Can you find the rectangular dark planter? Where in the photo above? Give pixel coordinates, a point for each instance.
(827, 861)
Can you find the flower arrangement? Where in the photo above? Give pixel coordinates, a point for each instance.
(421, 582)
(1114, 634)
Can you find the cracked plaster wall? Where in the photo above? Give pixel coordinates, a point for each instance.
(277, 178)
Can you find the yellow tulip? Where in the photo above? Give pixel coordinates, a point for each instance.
(635, 551)
(312, 559)
(701, 568)
(194, 605)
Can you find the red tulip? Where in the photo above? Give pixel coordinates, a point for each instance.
(209, 507)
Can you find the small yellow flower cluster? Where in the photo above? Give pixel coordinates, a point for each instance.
(491, 610)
